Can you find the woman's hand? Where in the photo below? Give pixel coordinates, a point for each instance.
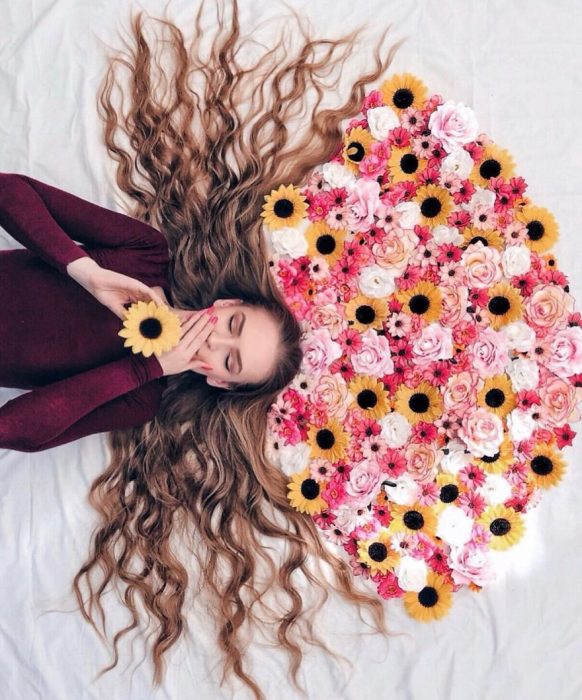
(112, 289)
(196, 327)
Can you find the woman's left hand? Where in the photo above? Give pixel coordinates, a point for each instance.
(112, 289)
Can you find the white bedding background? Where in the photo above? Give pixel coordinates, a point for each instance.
(517, 64)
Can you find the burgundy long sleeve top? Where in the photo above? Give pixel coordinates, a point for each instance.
(56, 339)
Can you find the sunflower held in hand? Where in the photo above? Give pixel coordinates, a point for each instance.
(150, 329)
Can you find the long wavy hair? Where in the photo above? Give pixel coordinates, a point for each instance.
(197, 474)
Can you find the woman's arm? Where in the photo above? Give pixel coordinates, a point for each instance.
(46, 220)
(100, 399)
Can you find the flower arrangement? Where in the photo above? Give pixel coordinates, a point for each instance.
(150, 328)
(442, 351)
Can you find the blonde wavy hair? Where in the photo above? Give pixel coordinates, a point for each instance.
(198, 170)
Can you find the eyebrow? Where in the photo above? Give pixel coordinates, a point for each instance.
(236, 352)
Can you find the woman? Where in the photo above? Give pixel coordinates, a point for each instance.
(198, 171)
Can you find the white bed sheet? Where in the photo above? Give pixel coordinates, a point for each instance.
(518, 65)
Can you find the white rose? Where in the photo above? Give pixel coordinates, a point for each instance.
(395, 429)
(481, 198)
(495, 490)
(516, 260)
(410, 214)
(454, 124)
(346, 517)
(454, 526)
(294, 458)
(412, 573)
(524, 374)
(337, 175)
(446, 234)
(520, 425)
(405, 492)
(456, 458)
(458, 162)
(381, 120)
(291, 241)
(373, 358)
(520, 336)
(375, 281)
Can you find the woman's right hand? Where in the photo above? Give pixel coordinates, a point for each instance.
(196, 327)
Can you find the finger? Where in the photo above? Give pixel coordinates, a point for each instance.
(197, 335)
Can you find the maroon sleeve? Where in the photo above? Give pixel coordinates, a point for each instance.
(114, 395)
(46, 220)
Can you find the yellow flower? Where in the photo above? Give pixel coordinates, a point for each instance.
(499, 462)
(542, 228)
(364, 312)
(402, 91)
(424, 299)
(424, 402)
(371, 398)
(357, 145)
(488, 237)
(435, 204)
(377, 553)
(505, 304)
(150, 329)
(495, 162)
(325, 241)
(403, 164)
(546, 467)
(432, 602)
(497, 395)
(505, 524)
(328, 441)
(412, 519)
(304, 493)
(285, 206)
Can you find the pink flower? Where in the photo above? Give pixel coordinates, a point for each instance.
(490, 353)
(548, 307)
(471, 564)
(460, 392)
(422, 462)
(482, 432)
(364, 483)
(363, 201)
(483, 265)
(434, 343)
(373, 357)
(319, 350)
(566, 352)
(558, 401)
(454, 124)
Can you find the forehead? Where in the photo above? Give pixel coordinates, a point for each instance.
(259, 342)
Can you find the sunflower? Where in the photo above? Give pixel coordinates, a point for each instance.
(304, 493)
(284, 207)
(357, 145)
(494, 162)
(364, 312)
(371, 398)
(424, 299)
(435, 204)
(325, 241)
(328, 441)
(497, 395)
(150, 329)
(542, 228)
(488, 237)
(432, 602)
(505, 524)
(377, 553)
(546, 467)
(424, 402)
(412, 519)
(450, 488)
(504, 305)
(499, 462)
(402, 91)
(403, 164)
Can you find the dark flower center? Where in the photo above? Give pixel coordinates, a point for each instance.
(413, 519)
(499, 305)
(150, 328)
(500, 526)
(325, 439)
(535, 230)
(430, 207)
(542, 465)
(325, 244)
(409, 163)
(403, 98)
(309, 489)
(490, 168)
(428, 597)
(355, 151)
(367, 399)
(377, 551)
(419, 403)
(419, 304)
(283, 208)
(494, 398)
(449, 493)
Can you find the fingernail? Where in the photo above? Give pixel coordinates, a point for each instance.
(214, 319)
(210, 309)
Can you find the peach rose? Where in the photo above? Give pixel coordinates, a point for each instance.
(421, 462)
(460, 391)
(548, 306)
(454, 304)
(558, 401)
(332, 392)
(328, 316)
(483, 265)
(482, 432)
(395, 249)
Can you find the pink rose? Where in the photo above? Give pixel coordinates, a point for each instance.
(489, 353)
(471, 564)
(364, 483)
(421, 462)
(374, 356)
(566, 352)
(395, 250)
(558, 401)
(482, 432)
(453, 124)
(483, 265)
(328, 316)
(434, 343)
(548, 306)
(455, 300)
(319, 351)
(363, 200)
(460, 392)
(331, 393)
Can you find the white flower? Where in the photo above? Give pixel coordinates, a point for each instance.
(375, 281)
(291, 241)
(294, 458)
(381, 120)
(456, 459)
(516, 260)
(454, 526)
(520, 336)
(520, 425)
(458, 162)
(481, 198)
(446, 234)
(405, 492)
(410, 214)
(395, 429)
(337, 175)
(495, 490)
(524, 374)
(412, 573)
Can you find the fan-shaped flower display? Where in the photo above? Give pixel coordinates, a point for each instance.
(150, 328)
(442, 351)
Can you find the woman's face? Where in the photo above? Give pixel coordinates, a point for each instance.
(241, 347)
